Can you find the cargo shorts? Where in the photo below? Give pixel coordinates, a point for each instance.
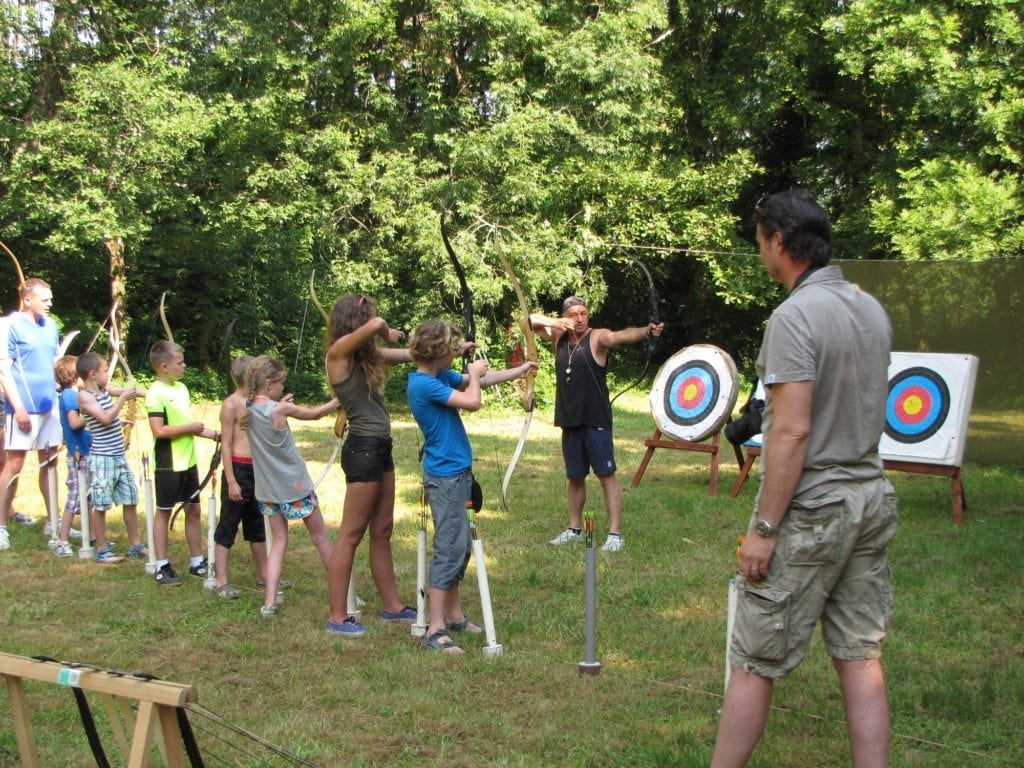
(830, 563)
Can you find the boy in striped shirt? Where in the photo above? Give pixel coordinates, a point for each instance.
(112, 481)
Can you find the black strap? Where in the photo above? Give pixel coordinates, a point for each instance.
(188, 738)
(90, 728)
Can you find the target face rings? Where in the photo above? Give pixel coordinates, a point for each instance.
(917, 405)
(694, 392)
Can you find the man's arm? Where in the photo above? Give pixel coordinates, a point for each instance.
(785, 451)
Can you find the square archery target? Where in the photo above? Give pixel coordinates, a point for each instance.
(928, 407)
(694, 392)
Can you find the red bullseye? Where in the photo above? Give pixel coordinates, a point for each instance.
(691, 393)
(913, 405)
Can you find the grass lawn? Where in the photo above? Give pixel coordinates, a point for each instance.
(954, 658)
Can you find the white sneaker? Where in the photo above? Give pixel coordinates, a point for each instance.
(5, 539)
(568, 536)
(74, 533)
(63, 549)
(614, 543)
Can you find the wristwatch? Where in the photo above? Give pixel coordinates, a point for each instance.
(763, 528)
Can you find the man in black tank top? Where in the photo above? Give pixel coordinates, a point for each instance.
(583, 412)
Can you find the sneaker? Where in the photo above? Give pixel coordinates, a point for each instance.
(137, 550)
(349, 627)
(63, 549)
(74, 533)
(614, 543)
(107, 555)
(268, 611)
(5, 539)
(406, 614)
(568, 536)
(167, 577)
(200, 570)
(17, 517)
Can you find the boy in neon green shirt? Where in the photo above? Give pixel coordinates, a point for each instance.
(175, 475)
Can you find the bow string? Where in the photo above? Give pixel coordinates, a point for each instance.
(652, 310)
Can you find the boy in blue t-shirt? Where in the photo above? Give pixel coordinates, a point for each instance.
(436, 394)
(78, 440)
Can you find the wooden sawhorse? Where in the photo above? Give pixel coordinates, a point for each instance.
(712, 448)
(157, 715)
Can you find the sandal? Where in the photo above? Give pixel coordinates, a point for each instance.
(261, 583)
(227, 592)
(464, 626)
(440, 641)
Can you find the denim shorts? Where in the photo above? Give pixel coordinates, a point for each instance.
(452, 539)
(584, 448)
(830, 563)
(366, 459)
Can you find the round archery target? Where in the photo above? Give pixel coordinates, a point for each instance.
(928, 407)
(917, 406)
(694, 392)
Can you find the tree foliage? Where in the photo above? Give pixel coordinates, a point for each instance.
(229, 150)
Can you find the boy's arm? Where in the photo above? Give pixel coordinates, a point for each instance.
(88, 403)
(75, 419)
(469, 399)
(227, 438)
(162, 431)
(497, 377)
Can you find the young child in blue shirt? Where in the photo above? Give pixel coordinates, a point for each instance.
(436, 395)
(77, 439)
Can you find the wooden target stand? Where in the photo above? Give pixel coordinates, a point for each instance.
(713, 448)
(916, 467)
(157, 715)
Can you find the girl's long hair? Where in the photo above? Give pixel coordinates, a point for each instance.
(350, 312)
(261, 370)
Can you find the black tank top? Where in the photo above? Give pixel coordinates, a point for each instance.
(581, 395)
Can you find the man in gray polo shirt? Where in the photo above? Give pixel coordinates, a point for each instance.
(825, 514)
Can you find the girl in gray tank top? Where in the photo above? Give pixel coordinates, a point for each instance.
(284, 489)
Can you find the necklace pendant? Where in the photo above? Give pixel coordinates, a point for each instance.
(568, 370)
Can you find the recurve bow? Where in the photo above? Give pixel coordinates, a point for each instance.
(529, 395)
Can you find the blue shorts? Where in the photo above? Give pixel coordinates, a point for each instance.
(452, 539)
(299, 509)
(112, 482)
(584, 448)
(366, 459)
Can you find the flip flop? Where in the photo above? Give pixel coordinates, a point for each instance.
(436, 642)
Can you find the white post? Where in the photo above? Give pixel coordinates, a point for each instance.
(729, 622)
(86, 551)
(493, 648)
(147, 486)
(51, 484)
(210, 582)
(419, 628)
(355, 602)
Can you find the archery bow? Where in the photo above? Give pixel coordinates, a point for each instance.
(529, 396)
(652, 341)
(17, 268)
(340, 419)
(469, 332)
(117, 356)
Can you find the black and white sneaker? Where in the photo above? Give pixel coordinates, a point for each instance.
(200, 570)
(167, 577)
